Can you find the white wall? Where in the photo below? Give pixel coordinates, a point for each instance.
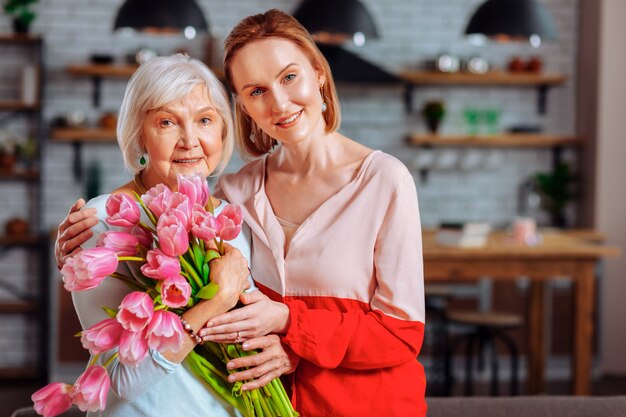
(610, 201)
(412, 31)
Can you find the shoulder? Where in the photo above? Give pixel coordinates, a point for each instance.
(238, 186)
(99, 203)
(388, 171)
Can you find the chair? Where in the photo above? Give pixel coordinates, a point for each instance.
(485, 328)
(436, 337)
(30, 412)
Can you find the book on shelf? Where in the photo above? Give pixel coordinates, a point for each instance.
(465, 235)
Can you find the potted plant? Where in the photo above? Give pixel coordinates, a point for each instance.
(556, 189)
(433, 112)
(22, 14)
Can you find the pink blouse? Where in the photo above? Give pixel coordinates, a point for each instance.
(353, 282)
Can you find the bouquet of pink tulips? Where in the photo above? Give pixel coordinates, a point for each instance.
(174, 251)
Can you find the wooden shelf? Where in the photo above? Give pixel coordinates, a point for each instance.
(505, 140)
(14, 38)
(19, 373)
(18, 174)
(491, 78)
(115, 70)
(22, 240)
(17, 307)
(17, 105)
(102, 70)
(89, 134)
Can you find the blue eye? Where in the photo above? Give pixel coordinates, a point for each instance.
(290, 77)
(205, 120)
(166, 123)
(256, 92)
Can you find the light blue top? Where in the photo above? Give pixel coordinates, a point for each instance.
(156, 386)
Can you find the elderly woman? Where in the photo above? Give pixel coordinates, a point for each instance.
(174, 119)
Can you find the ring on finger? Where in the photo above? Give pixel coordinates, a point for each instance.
(238, 335)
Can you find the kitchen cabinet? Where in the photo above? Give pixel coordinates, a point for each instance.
(25, 295)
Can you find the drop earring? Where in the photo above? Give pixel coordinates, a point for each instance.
(252, 136)
(143, 159)
(324, 106)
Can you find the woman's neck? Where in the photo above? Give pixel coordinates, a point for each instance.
(309, 156)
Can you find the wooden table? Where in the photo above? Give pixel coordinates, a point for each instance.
(572, 254)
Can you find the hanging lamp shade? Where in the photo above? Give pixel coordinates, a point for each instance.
(161, 16)
(512, 20)
(335, 21)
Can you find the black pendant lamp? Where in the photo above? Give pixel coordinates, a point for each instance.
(512, 20)
(336, 21)
(161, 16)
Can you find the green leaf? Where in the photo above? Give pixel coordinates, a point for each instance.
(208, 291)
(198, 256)
(210, 255)
(205, 272)
(110, 312)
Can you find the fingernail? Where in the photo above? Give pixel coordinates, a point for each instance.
(230, 365)
(231, 378)
(246, 345)
(244, 388)
(209, 324)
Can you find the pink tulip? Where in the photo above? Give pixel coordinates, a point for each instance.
(160, 265)
(175, 292)
(88, 268)
(90, 390)
(230, 220)
(180, 206)
(143, 236)
(205, 225)
(156, 199)
(53, 399)
(122, 211)
(165, 331)
(135, 311)
(102, 336)
(195, 188)
(173, 238)
(124, 244)
(133, 347)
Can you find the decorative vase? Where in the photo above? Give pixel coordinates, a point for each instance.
(433, 124)
(20, 27)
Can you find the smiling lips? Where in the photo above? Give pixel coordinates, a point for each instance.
(289, 121)
(186, 161)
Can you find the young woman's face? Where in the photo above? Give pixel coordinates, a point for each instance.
(182, 137)
(279, 88)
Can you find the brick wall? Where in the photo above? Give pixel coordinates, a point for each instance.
(412, 31)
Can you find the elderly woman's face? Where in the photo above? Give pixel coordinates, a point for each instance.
(182, 137)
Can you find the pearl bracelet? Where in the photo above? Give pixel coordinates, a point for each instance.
(190, 331)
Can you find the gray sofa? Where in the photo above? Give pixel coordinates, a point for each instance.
(537, 406)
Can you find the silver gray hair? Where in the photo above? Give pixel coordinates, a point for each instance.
(161, 81)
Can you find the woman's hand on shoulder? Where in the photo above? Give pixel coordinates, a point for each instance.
(271, 362)
(259, 316)
(74, 230)
(230, 272)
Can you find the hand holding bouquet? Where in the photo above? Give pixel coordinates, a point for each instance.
(173, 256)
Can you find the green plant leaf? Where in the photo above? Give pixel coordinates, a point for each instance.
(210, 255)
(208, 291)
(110, 312)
